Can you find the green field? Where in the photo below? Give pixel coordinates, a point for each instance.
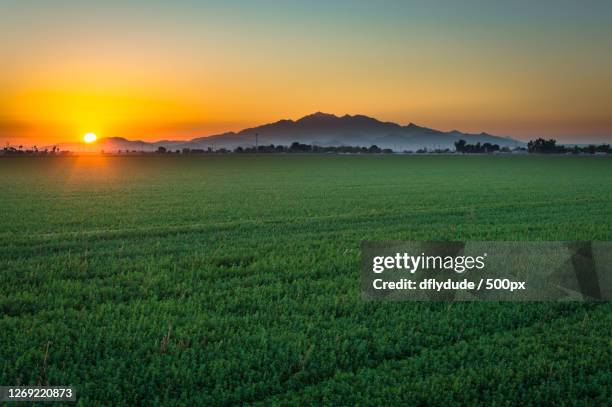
(223, 280)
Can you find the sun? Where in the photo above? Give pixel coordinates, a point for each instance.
(89, 138)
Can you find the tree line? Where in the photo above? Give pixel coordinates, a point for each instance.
(295, 147)
(537, 146)
(550, 146)
(20, 150)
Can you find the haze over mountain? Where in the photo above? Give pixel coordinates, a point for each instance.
(321, 129)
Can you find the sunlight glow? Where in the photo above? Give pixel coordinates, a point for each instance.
(89, 138)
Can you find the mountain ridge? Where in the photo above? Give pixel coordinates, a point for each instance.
(324, 129)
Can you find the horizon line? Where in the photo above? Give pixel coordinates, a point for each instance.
(523, 139)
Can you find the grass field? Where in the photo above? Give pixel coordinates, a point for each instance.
(224, 280)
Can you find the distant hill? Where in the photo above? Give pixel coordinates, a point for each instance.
(321, 129)
(108, 144)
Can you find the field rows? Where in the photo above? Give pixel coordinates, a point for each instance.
(236, 280)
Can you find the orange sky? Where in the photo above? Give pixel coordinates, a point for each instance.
(155, 70)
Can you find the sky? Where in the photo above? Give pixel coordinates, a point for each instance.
(155, 70)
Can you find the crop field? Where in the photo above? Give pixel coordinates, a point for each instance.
(224, 280)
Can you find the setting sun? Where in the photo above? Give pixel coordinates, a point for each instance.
(89, 138)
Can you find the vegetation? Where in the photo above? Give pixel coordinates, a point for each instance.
(296, 148)
(550, 146)
(226, 280)
(539, 146)
(462, 147)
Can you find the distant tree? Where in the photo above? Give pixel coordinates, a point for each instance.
(161, 150)
(460, 146)
(299, 148)
(542, 146)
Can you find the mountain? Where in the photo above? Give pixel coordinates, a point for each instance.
(319, 128)
(329, 130)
